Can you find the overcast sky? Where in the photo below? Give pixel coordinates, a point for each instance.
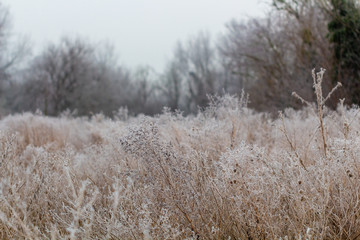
(144, 32)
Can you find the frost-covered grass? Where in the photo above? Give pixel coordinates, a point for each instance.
(227, 173)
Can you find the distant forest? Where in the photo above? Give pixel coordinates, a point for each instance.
(267, 58)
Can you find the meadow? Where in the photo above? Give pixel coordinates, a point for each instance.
(226, 173)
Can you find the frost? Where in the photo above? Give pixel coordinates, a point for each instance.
(227, 173)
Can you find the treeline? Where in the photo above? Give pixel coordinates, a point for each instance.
(267, 57)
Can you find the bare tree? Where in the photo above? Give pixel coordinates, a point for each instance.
(109, 87)
(12, 48)
(145, 93)
(13, 51)
(73, 74)
(63, 70)
(272, 55)
(171, 86)
(192, 72)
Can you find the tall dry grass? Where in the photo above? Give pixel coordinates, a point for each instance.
(227, 173)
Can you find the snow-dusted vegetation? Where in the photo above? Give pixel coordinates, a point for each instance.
(91, 148)
(226, 173)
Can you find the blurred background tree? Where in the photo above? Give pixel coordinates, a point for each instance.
(13, 51)
(268, 57)
(272, 56)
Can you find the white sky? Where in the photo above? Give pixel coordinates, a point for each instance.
(144, 32)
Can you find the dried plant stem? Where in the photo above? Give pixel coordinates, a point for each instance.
(318, 78)
(322, 131)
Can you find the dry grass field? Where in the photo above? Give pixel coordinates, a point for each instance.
(226, 173)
